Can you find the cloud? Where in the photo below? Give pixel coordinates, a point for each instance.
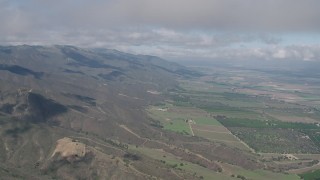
(250, 15)
(295, 52)
(280, 54)
(169, 28)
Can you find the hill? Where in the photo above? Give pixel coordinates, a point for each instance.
(72, 113)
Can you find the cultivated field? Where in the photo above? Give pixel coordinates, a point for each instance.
(249, 110)
(194, 122)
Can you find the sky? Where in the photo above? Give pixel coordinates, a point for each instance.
(172, 29)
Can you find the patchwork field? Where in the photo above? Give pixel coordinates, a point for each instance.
(194, 122)
(248, 110)
(276, 119)
(258, 108)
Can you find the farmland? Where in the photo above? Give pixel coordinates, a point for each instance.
(250, 111)
(311, 175)
(255, 107)
(193, 122)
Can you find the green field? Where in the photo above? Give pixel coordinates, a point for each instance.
(170, 118)
(313, 175)
(207, 121)
(176, 122)
(216, 136)
(178, 125)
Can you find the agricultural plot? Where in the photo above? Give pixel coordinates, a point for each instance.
(170, 120)
(218, 133)
(275, 136)
(194, 122)
(313, 175)
(181, 119)
(276, 140)
(206, 121)
(215, 136)
(213, 128)
(291, 118)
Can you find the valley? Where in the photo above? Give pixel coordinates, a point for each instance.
(247, 116)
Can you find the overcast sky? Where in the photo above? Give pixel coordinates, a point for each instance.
(173, 29)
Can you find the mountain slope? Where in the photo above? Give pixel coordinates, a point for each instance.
(50, 93)
(64, 110)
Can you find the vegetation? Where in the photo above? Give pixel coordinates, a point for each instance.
(313, 175)
(250, 123)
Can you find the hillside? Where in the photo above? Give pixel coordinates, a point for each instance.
(72, 113)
